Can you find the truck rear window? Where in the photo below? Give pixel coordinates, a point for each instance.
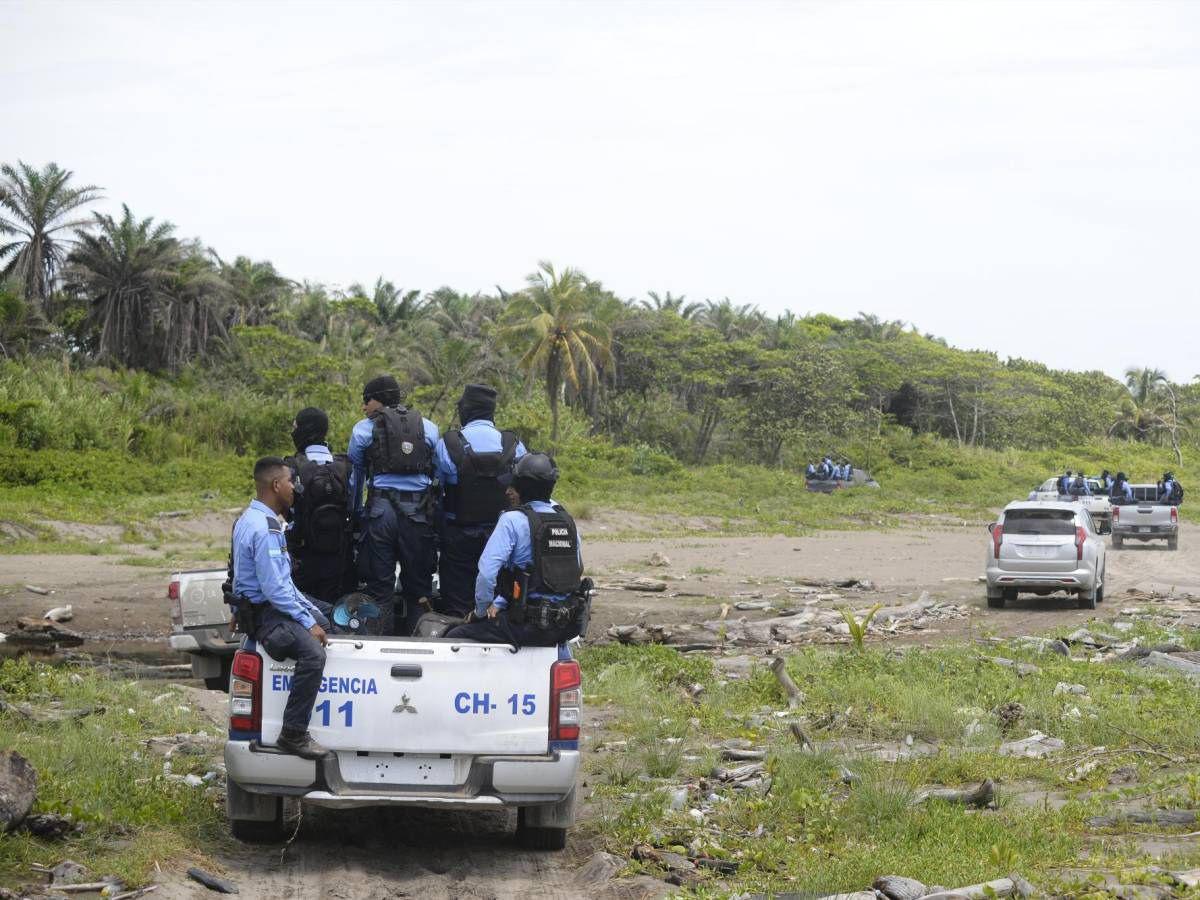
(1039, 521)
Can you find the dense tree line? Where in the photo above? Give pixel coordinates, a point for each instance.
(701, 380)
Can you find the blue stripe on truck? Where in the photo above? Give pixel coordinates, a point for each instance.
(563, 745)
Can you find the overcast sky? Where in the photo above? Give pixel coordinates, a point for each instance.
(1020, 177)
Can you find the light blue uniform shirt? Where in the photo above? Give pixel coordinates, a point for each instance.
(262, 570)
(318, 453)
(509, 547)
(360, 439)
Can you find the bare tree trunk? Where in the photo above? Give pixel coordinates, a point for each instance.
(953, 416)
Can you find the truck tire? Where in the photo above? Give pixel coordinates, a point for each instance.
(1117, 541)
(257, 830)
(1088, 599)
(995, 601)
(221, 682)
(1173, 543)
(531, 838)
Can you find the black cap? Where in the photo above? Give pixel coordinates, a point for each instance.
(478, 401)
(383, 388)
(312, 425)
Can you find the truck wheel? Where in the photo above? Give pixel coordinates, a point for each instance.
(1087, 599)
(1010, 594)
(531, 838)
(221, 682)
(1173, 543)
(1118, 541)
(995, 601)
(257, 830)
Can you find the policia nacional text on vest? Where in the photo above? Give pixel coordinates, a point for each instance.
(555, 569)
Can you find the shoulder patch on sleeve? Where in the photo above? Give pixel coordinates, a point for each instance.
(273, 524)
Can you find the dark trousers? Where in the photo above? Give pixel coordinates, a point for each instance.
(285, 638)
(458, 566)
(326, 577)
(501, 631)
(397, 531)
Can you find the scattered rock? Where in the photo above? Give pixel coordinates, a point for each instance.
(50, 826)
(598, 870)
(1146, 817)
(1010, 715)
(1036, 746)
(1064, 687)
(35, 589)
(1123, 775)
(59, 614)
(678, 799)
(659, 560)
(897, 887)
(18, 789)
(67, 872)
(1166, 661)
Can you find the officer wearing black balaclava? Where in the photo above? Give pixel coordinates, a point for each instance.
(470, 463)
(319, 535)
(391, 452)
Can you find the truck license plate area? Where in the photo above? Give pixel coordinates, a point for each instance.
(1143, 531)
(397, 769)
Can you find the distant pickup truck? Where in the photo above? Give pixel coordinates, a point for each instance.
(1098, 504)
(1145, 519)
(200, 625)
(425, 722)
(858, 478)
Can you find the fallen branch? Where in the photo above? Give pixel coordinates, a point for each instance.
(33, 588)
(742, 755)
(1000, 887)
(795, 696)
(802, 738)
(984, 795)
(1147, 817)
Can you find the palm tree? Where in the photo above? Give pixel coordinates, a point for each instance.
(1141, 410)
(671, 303)
(127, 269)
(393, 307)
(36, 207)
(563, 339)
(259, 292)
(874, 328)
(731, 321)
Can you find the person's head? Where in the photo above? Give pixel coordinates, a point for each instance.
(534, 477)
(1167, 476)
(1069, 473)
(273, 483)
(381, 391)
(310, 426)
(478, 401)
(1104, 474)
(1121, 476)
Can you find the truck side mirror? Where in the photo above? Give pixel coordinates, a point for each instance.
(991, 525)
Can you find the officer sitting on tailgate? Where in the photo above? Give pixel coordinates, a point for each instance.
(1121, 490)
(470, 462)
(810, 471)
(391, 452)
(319, 537)
(1064, 483)
(530, 590)
(1079, 487)
(269, 607)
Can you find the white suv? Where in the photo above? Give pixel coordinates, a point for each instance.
(1043, 547)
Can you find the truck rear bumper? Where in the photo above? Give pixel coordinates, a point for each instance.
(1145, 532)
(492, 781)
(1079, 579)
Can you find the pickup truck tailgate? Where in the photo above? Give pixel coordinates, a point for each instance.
(400, 695)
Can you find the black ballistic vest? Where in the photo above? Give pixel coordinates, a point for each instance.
(478, 498)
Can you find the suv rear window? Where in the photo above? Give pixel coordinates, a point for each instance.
(1039, 521)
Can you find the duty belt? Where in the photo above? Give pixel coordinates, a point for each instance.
(549, 614)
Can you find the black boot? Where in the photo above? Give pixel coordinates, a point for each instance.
(300, 743)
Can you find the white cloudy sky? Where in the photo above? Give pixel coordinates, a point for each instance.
(1012, 176)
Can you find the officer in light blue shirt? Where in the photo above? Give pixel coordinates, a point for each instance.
(470, 462)
(530, 590)
(269, 606)
(391, 452)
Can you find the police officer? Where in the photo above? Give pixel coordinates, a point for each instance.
(319, 537)
(1166, 487)
(470, 462)
(391, 451)
(271, 609)
(810, 471)
(1064, 484)
(530, 590)
(1121, 490)
(1106, 480)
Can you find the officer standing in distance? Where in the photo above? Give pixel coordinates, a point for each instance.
(319, 536)
(391, 451)
(530, 590)
(470, 463)
(271, 609)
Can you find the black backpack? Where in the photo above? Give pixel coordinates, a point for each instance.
(322, 506)
(1176, 492)
(398, 444)
(478, 498)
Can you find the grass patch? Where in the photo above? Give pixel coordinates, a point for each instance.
(97, 769)
(812, 832)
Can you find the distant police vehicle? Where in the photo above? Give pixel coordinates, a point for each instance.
(1044, 547)
(1096, 503)
(1145, 519)
(428, 722)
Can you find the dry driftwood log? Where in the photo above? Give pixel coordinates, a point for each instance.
(739, 773)
(1000, 887)
(41, 633)
(34, 589)
(739, 755)
(795, 696)
(984, 795)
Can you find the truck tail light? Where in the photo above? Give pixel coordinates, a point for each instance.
(997, 537)
(1116, 514)
(1174, 515)
(566, 700)
(245, 692)
(1080, 537)
(176, 604)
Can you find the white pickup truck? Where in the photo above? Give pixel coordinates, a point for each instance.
(427, 722)
(1145, 519)
(1098, 504)
(200, 625)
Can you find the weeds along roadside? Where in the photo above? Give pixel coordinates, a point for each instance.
(812, 831)
(95, 766)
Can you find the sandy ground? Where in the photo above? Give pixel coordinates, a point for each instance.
(389, 854)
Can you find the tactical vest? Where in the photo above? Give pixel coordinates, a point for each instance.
(398, 443)
(555, 567)
(321, 507)
(478, 498)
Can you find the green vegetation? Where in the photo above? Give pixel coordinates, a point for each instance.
(98, 769)
(812, 831)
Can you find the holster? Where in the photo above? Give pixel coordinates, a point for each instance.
(247, 616)
(512, 586)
